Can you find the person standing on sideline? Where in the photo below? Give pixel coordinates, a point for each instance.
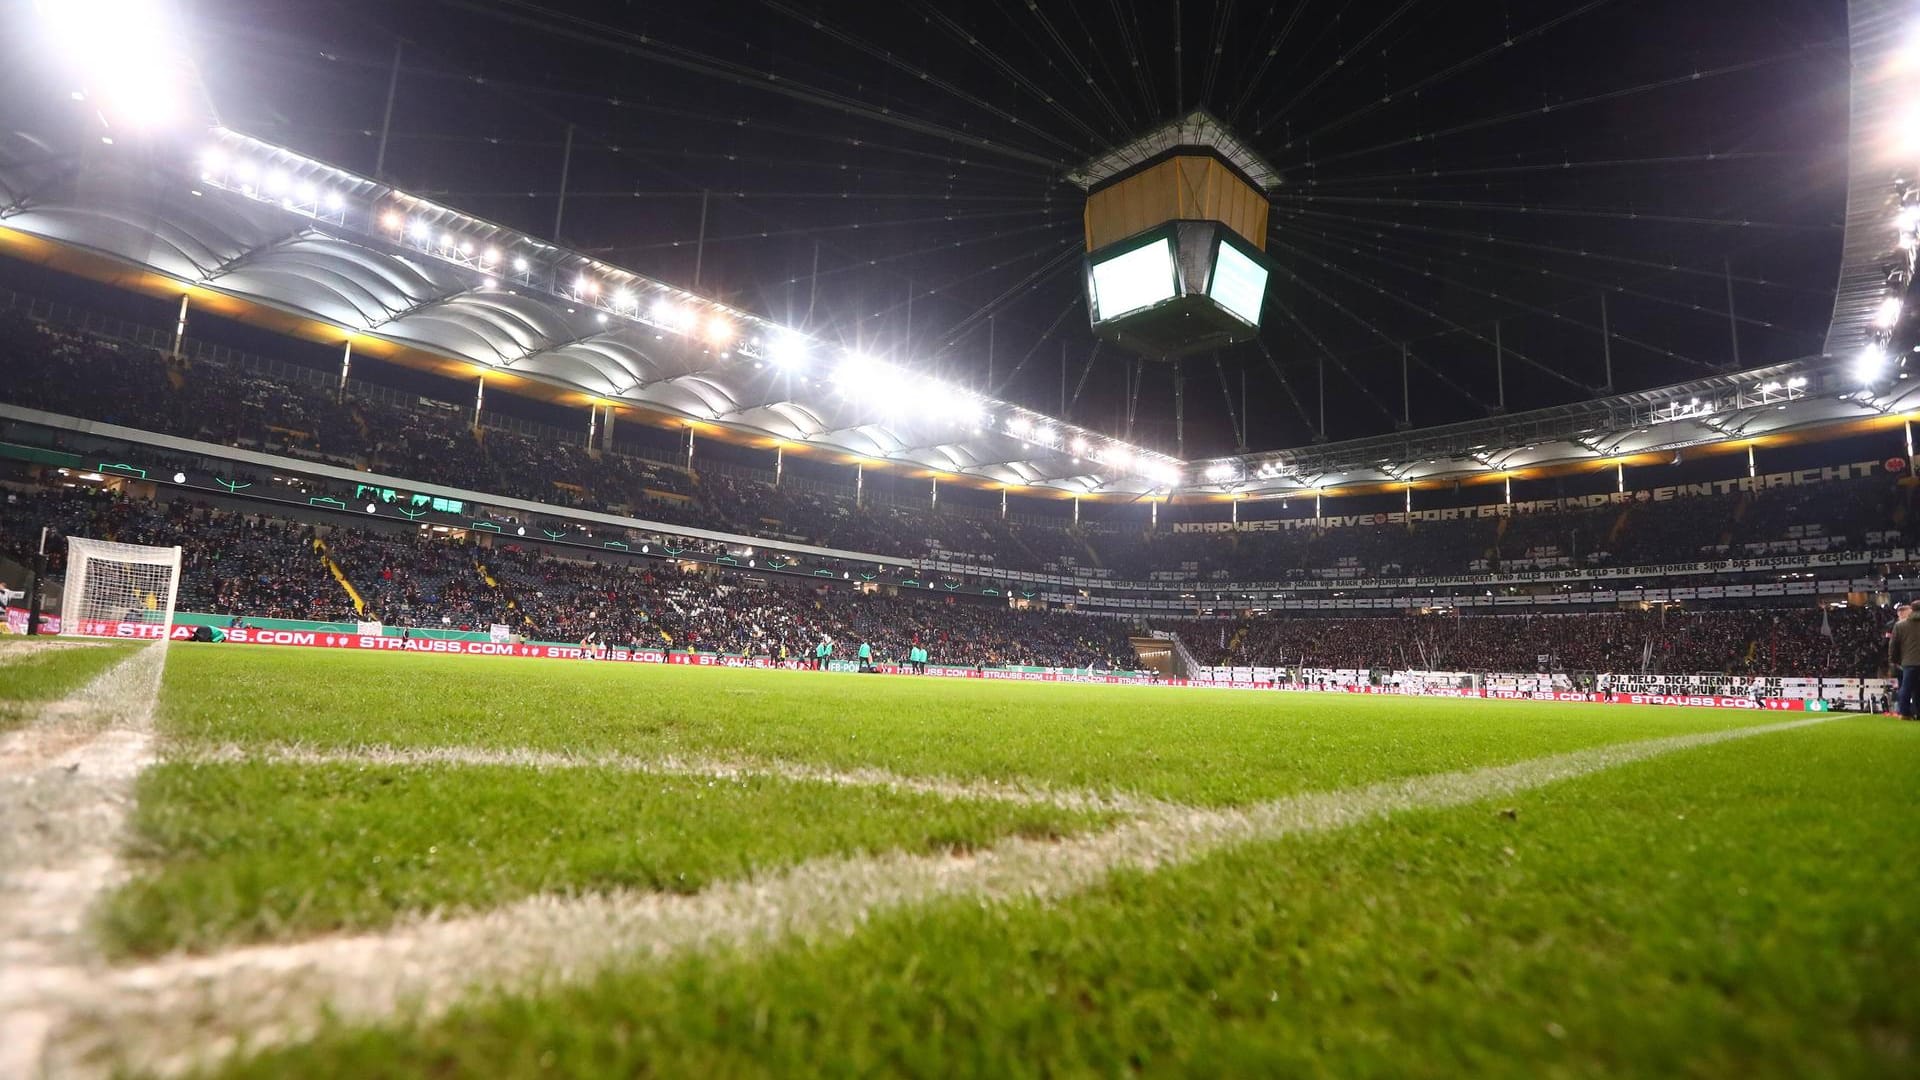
(917, 659)
(866, 657)
(822, 653)
(1903, 652)
(1900, 612)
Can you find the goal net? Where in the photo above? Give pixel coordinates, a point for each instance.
(109, 584)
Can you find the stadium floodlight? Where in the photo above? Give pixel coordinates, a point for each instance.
(335, 201)
(1907, 218)
(1043, 434)
(308, 194)
(245, 171)
(719, 331)
(854, 371)
(519, 265)
(1219, 470)
(466, 247)
(1769, 387)
(1870, 364)
(392, 221)
(1017, 424)
(490, 256)
(1079, 444)
(213, 161)
(125, 54)
(1796, 382)
(622, 300)
(1889, 313)
(419, 230)
(446, 240)
(786, 347)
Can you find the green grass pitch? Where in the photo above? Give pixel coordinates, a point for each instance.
(1733, 907)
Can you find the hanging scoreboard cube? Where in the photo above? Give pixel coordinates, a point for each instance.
(1176, 226)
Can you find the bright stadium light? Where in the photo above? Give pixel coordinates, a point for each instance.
(1870, 364)
(214, 161)
(719, 331)
(1219, 471)
(788, 348)
(392, 221)
(519, 265)
(663, 311)
(1079, 444)
(335, 200)
(419, 230)
(124, 54)
(1017, 424)
(622, 300)
(1889, 313)
(490, 256)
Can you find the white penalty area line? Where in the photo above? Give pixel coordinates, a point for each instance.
(691, 766)
(182, 1012)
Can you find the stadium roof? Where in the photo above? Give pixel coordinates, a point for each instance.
(257, 222)
(245, 218)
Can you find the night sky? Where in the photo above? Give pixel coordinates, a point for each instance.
(1446, 166)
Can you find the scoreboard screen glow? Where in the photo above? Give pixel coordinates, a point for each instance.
(1239, 284)
(1133, 280)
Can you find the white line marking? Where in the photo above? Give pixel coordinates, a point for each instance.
(686, 765)
(179, 1012)
(66, 782)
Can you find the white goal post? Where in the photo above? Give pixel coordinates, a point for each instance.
(108, 584)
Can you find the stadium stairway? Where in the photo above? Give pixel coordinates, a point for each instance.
(1156, 655)
(339, 575)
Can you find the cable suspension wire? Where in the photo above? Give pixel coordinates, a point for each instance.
(1092, 85)
(1233, 416)
(1371, 239)
(1368, 325)
(1063, 259)
(945, 245)
(1274, 46)
(1129, 27)
(1566, 165)
(1000, 388)
(853, 226)
(1572, 103)
(920, 74)
(1399, 298)
(1326, 352)
(1287, 385)
(589, 32)
(1551, 313)
(1490, 238)
(941, 291)
(1339, 64)
(1011, 72)
(1081, 386)
(1605, 213)
(732, 120)
(1222, 18)
(1507, 42)
(770, 196)
(627, 149)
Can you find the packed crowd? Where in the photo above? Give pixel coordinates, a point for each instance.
(247, 566)
(435, 442)
(1838, 642)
